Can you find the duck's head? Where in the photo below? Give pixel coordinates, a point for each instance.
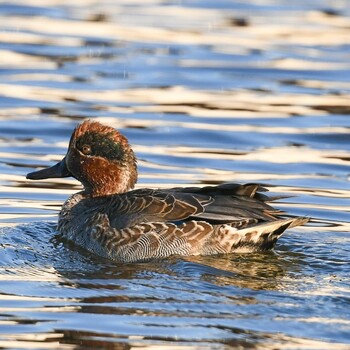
(100, 157)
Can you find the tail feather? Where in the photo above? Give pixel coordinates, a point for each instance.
(264, 236)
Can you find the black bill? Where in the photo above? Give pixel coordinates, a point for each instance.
(58, 170)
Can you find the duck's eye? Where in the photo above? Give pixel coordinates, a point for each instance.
(86, 149)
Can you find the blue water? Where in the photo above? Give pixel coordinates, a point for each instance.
(207, 92)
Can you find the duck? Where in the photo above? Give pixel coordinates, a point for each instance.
(110, 218)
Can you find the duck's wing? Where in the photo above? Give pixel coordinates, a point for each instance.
(214, 204)
(146, 205)
(231, 202)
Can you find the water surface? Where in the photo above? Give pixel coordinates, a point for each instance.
(207, 92)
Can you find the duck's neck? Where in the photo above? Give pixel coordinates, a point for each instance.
(112, 181)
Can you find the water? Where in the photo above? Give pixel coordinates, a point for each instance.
(207, 92)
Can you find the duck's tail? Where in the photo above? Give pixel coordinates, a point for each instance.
(264, 236)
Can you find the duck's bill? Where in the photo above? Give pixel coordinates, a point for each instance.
(58, 170)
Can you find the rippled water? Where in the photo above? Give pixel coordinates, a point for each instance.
(207, 92)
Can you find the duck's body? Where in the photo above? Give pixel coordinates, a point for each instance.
(113, 221)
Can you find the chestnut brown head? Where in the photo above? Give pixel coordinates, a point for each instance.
(100, 157)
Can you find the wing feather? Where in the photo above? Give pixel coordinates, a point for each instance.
(226, 203)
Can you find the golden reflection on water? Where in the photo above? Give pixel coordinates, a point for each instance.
(182, 100)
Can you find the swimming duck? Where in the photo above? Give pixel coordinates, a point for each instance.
(110, 219)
